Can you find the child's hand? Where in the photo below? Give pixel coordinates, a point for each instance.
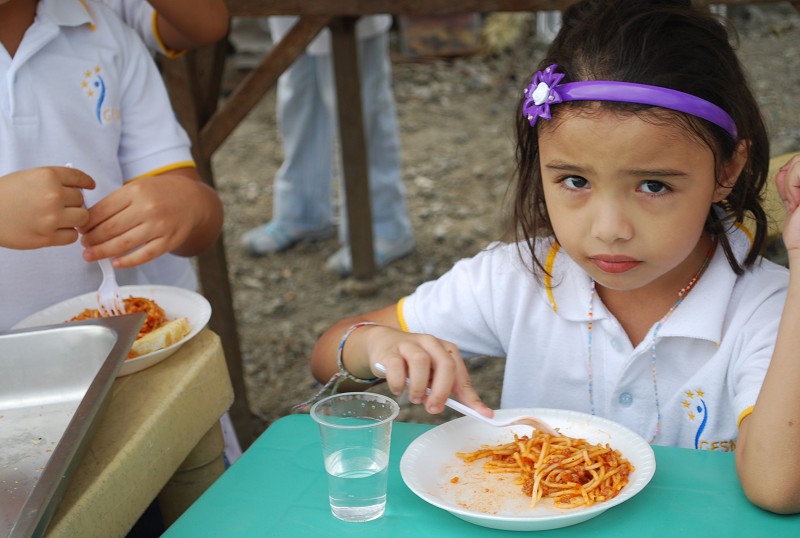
(151, 216)
(427, 362)
(42, 207)
(788, 184)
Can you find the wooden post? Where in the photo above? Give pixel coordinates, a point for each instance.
(194, 82)
(353, 144)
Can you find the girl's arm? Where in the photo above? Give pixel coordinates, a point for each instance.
(424, 359)
(171, 212)
(187, 24)
(768, 451)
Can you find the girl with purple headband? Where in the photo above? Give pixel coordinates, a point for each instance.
(631, 289)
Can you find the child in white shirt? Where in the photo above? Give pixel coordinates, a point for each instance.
(632, 291)
(80, 88)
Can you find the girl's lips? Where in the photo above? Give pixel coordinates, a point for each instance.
(614, 264)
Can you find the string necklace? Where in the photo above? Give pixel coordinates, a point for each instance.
(681, 296)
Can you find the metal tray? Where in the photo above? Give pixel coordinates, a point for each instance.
(54, 381)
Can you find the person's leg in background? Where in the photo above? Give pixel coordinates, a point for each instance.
(250, 39)
(719, 9)
(548, 24)
(303, 187)
(392, 231)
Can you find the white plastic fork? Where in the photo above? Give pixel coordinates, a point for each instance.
(109, 301)
(521, 420)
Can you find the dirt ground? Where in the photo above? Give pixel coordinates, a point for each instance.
(455, 126)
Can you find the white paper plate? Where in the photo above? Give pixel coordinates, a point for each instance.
(429, 463)
(176, 302)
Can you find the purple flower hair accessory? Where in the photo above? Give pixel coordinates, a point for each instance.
(541, 93)
(546, 89)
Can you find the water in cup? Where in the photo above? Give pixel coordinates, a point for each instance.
(355, 433)
(357, 483)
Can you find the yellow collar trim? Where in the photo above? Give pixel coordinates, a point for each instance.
(746, 231)
(92, 27)
(548, 278)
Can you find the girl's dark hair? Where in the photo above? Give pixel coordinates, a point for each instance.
(660, 43)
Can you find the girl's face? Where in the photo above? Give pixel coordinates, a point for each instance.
(628, 199)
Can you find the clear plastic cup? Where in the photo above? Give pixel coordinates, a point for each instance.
(356, 429)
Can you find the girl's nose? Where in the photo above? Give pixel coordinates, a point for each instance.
(611, 223)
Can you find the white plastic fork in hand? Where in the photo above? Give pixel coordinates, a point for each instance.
(108, 298)
(109, 301)
(522, 420)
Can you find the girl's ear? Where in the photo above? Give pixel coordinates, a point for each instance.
(731, 170)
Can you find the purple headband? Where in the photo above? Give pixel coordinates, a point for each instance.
(544, 90)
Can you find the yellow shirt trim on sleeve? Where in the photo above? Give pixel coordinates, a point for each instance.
(168, 52)
(164, 169)
(400, 318)
(746, 413)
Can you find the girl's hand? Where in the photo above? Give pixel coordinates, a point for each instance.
(42, 207)
(151, 216)
(787, 182)
(426, 361)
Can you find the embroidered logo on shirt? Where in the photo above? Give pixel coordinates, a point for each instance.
(697, 411)
(94, 87)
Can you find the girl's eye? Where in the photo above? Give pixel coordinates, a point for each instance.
(654, 187)
(575, 182)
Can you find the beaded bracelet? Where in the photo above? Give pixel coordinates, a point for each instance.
(342, 374)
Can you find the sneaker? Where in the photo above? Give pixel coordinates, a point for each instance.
(271, 237)
(341, 263)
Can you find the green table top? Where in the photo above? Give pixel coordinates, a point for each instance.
(279, 488)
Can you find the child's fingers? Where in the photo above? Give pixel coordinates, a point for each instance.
(146, 253)
(447, 360)
(792, 182)
(72, 177)
(64, 236)
(394, 370)
(72, 217)
(791, 162)
(71, 197)
(465, 393)
(787, 183)
(420, 355)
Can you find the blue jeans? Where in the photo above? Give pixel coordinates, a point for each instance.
(306, 107)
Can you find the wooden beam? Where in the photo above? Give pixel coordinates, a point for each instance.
(250, 91)
(254, 8)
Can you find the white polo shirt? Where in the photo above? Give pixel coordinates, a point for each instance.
(82, 89)
(711, 356)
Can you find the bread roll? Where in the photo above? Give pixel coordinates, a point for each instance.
(166, 335)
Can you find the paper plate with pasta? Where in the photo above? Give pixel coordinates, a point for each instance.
(174, 316)
(518, 479)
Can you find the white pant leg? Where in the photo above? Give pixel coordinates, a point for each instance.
(548, 23)
(233, 449)
(719, 9)
(303, 186)
(390, 218)
(251, 39)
